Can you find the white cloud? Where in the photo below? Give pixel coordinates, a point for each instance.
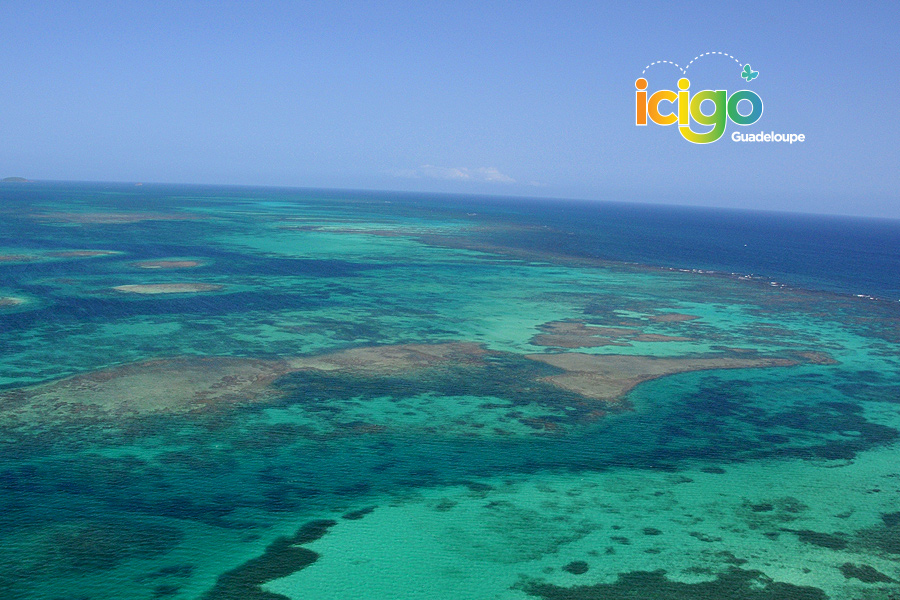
(478, 174)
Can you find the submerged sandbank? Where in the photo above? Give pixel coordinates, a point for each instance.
(44, 256)
(82, 253)
(168, 288)
(610, 376)
(6, 301)
(18, 257)
(168, 264)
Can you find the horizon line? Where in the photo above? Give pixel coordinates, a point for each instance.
(484, 195)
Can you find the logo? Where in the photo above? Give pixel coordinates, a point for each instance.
(709, 109)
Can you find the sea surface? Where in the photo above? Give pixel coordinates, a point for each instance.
(222, 393)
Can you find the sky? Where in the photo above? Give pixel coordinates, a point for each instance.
(506, 98)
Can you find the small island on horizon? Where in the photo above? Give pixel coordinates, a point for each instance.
(14, 180)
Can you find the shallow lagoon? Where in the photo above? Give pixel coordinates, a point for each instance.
(348, 393)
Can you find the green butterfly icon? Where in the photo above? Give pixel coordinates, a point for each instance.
(748, 73)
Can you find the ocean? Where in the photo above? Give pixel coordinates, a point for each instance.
(215, 392)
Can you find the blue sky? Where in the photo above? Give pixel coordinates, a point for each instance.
(509, 98)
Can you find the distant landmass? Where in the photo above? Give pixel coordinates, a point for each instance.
(14, 179)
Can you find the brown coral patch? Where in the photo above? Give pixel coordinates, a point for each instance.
(816, 357)
(389, 360)
(193, 384)
(575, 334)
(672, 318)
(175, 385)
(655, 337)
(610, 377)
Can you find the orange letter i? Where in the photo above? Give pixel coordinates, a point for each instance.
(641, 102)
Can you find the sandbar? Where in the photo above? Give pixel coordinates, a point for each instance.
(18, 257)
(10, 301)
(168, 264)
(168, 288)
(81, 253)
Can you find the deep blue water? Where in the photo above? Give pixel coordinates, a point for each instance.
(849, 255)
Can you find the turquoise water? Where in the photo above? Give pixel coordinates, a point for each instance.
(265, 393)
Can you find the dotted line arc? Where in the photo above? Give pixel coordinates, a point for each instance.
(656, 62)
(707, 53)
(684, 70)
